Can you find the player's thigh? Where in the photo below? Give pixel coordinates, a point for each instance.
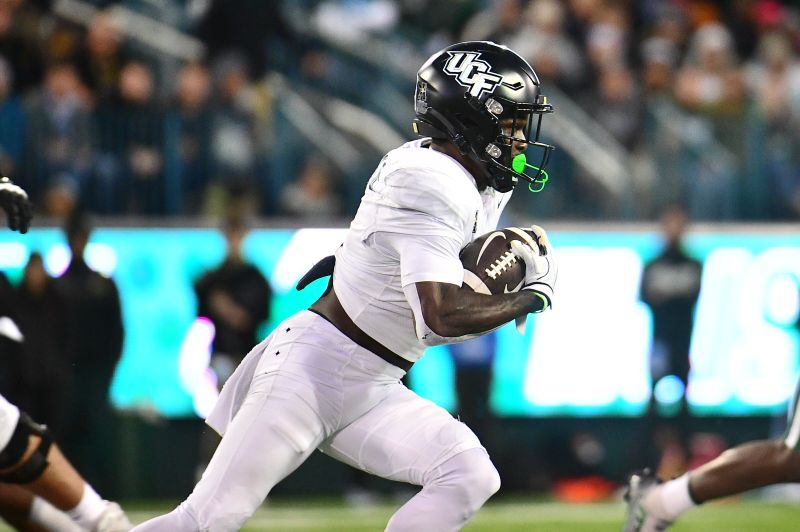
(15, 505)
(403, 438)
(269, 437)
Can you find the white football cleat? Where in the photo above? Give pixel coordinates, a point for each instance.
(637, 518)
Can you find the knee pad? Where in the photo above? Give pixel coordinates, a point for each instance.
(11, 456)
(474, 474)
(483, 478)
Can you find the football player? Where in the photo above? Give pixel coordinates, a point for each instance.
(654, 505)
(39, 488)
(328, 378)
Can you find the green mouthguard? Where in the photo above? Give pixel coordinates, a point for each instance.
(518, 163)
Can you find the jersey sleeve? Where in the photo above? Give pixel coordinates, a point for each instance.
(424, 258)
(438, 202)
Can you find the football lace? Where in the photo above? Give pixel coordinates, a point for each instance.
(500, 265)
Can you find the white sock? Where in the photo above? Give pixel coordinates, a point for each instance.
(674, 497)
(88, 511)
(49, 517)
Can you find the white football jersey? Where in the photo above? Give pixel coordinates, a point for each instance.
(420, 208)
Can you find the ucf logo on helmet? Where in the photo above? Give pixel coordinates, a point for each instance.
(472, 72)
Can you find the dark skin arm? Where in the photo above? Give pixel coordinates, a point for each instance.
(451, 310)
(748, 466)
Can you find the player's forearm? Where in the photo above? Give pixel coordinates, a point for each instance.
(748, 466)
(453, 312)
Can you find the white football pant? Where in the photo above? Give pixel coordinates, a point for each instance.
(314, 388)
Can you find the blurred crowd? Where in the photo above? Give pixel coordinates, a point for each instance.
(291, 104)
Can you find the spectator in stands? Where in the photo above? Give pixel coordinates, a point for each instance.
(660, 180)
(658, 58)
(93, 348)
(543, 43)
(608, 37)
(130, 137)
(101, 60)
(58, 132)
(20, 48)
(670, 23)
(235, 139)
(255, 29)
(774, 81)
(500, 21)
(744, 19)
(581, 15)
(352, 23)
(41, 318)
(579, 45)
(312, 194)
(617, 105)
(189, 123)
(710, 81)
(12, 122)
(709, 84)
(435, 23)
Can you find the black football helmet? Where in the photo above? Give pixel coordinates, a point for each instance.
(463, 94)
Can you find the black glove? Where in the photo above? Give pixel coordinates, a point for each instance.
(15, 202)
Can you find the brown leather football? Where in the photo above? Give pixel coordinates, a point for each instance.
(490, 267)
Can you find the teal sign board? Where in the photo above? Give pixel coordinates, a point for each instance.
(588, 356)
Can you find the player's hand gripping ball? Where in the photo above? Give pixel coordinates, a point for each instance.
(491, 267)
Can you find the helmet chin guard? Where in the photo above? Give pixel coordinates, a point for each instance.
(484, 98)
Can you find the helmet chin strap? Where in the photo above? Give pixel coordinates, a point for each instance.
(499, 178)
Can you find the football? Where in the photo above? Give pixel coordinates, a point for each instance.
(490, 267)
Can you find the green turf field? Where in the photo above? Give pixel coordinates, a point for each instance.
(511, 516)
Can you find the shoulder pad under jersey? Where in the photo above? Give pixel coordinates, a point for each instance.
(432, 183)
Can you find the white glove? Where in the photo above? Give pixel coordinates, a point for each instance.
(540, 270)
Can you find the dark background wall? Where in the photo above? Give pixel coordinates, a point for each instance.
(160, 460)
